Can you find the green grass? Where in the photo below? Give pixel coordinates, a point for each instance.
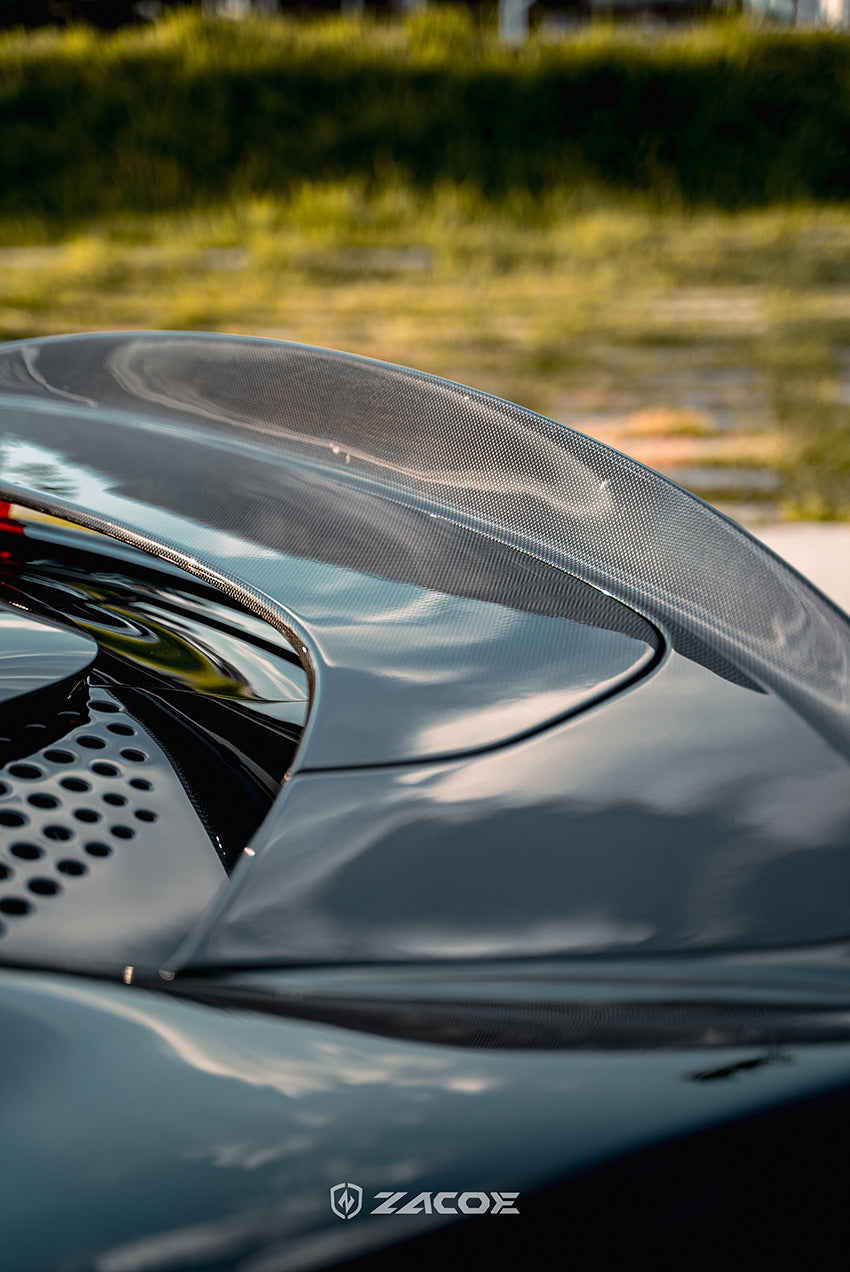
(718, 115)
(647, 237)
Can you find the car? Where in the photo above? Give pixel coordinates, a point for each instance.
(424, 832)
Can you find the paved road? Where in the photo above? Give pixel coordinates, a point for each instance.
(820, 550)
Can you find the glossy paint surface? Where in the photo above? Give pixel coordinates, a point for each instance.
(38, 660)
(182, 1136)
(635, 827)
(156, 627)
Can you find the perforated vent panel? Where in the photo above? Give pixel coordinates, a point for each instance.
(101, 850)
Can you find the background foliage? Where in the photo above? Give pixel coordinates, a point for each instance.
(171, 116)
(644, 234)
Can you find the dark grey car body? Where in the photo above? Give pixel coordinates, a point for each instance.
(548, 866)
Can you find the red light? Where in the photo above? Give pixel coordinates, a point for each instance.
(7, 522)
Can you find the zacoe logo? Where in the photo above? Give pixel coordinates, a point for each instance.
(347, 1201)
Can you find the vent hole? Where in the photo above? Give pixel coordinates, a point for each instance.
(105, 706)
(90, 742)
(26, 852)
(57, 832)
(145, 815)
(122, 832)
(86, 815)
(43, 801)
(12, 819)
(114, 799)
(141, 784)
(14, 905)
(105, 770)
(59, 757)
(44, 887)
(69, 867)
(135, 757)
(123, 729)
(74, 784)
(98, 850)
(4, 790)
(5, 871)
(27, 772)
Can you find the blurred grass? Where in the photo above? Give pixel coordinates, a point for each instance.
(189, 110)
(707, 339)
(687, 300)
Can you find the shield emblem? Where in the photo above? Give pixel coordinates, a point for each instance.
(346, 1200)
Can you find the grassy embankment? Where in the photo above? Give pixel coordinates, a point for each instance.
(648, 237)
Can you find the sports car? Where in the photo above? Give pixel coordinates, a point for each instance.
(424, 833)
